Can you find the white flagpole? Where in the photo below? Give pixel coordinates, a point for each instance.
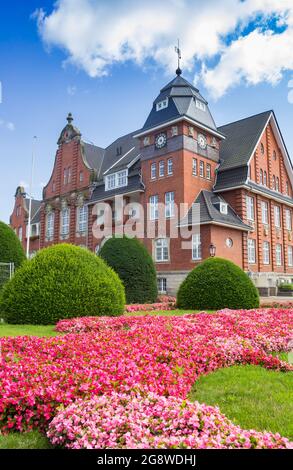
(30, 198)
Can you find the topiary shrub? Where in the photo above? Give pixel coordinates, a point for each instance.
(135, 267)
(63, 281)
(11, 250)
(217, 283)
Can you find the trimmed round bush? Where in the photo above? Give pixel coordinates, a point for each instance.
(135, 267)
(11, 250)
(217, 283)
(62, 281)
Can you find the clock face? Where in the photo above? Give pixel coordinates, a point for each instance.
(202, 141)
(161, 141)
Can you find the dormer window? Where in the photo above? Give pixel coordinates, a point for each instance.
(116, 180)
(162, 104)
(224, 208)
(200, 105)
(118, 151)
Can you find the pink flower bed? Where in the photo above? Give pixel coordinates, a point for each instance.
(164, 303)
(132, 421)
(149, 354)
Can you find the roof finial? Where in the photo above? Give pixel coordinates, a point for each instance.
(178, 52)
(69, 118)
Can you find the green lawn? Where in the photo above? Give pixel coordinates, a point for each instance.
(26, 330)
(30, 440)
(251, 396)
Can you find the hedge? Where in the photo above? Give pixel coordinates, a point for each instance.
(11, 250)
(63, 281)
(217, 283)
(135, 267)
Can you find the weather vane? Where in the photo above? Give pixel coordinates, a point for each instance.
(178, 52)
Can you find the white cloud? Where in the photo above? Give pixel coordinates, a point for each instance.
(7, 125)
(97, 34)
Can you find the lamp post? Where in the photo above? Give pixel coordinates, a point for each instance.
(212, 250)
(30, 200)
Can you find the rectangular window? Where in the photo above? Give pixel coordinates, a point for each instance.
(250, 208)
(208, 171)
(277, 217)
(161, 250)
(264, 213)
(170, 166)
(69, 175)
(154, 207)
(169, 204)
(81, 176)
(200, 105)
(116, 180)
(50, 226)
(288, 219)
(266, 253)
(162, 104)
(194, 167)
(20, 233)
(161, 168)
(82, 219)
(290, 255)
(65, 176)
(162, 285)
(251, 251)
(278, 254)
(201, 169)
(153, 171)
(65, 222)
(196, 246)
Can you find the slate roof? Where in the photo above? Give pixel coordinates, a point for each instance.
(134, 184)
(241, 139)
(93, 155)
(130, 149)
(36, 213)
(231, 178)
(210, 212)
(182, 97)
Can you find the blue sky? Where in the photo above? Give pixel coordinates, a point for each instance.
(105, 61)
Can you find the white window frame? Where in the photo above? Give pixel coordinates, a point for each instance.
(50, 222)
(161, 168)
(288, 216)
(194, 167)
(20, 234)
(278, 254)
(290, 256)
(116, 180)
(82, 218)
(170, 166)
(251, 251)
(264, 212)
(162, 285)
(65, 221)
(277, 215)
(154, 207)
(200, 105)
(266, 252)
(169, 204)
(224, 208)
(162, 104)
(250, 208)
(161, 250)
(208, 171)
(201, 169)
(153, 171)
(196, 247)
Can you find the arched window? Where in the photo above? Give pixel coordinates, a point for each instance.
(261, 177)
(262, 149)
(264, 178)
(274, 182)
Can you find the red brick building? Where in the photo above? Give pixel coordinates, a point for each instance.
(238, 177)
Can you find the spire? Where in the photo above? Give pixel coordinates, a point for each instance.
(178, 52)
(69, 118)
